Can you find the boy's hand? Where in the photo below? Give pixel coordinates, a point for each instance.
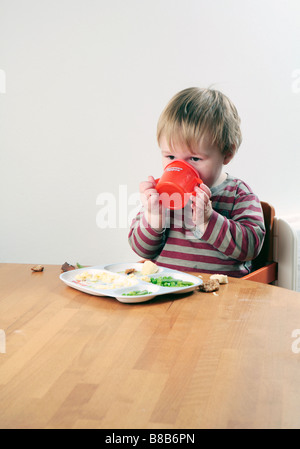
(202, 207)
(154, 212)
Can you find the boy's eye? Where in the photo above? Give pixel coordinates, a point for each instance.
(170, 157)
(195, 159)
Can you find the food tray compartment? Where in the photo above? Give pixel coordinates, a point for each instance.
(126, 295)
(97, 281)
(169, 277)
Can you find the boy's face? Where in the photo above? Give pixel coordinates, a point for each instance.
(206, 158)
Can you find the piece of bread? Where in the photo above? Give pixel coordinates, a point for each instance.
(37, 268)
(210, 286)
(149, 267)
(222, 278)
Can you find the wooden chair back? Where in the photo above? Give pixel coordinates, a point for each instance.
(264, 268)
(266, 253)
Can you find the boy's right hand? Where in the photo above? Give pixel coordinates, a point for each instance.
(154, 212)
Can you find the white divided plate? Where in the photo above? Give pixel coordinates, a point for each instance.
(111, 280)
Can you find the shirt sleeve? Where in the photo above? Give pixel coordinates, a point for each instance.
(241, 236)
(144, 240)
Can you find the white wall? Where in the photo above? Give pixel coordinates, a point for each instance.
(85, 83)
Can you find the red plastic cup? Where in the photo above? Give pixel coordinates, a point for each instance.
(177, 184)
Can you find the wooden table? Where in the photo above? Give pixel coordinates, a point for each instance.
(194, 361)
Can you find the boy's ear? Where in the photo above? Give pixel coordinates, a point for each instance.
(229, 155)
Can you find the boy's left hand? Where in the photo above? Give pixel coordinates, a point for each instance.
(202, 207)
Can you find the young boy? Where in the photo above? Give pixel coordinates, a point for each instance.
(221, 229)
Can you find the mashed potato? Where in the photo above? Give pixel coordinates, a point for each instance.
(101, 280)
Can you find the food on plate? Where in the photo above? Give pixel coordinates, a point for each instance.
(169, 281)
(37, 268)
(222, 278)
(210, 286)
(130, 271)
(145, 279)
(104, 280)
(95, 276)
(78, 265)
(114, 285)
(67, 267)
(149, 267)
(137, 293)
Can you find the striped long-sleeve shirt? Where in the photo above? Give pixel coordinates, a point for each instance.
(233, 237)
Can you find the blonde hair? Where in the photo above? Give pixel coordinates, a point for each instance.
(194, 112)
